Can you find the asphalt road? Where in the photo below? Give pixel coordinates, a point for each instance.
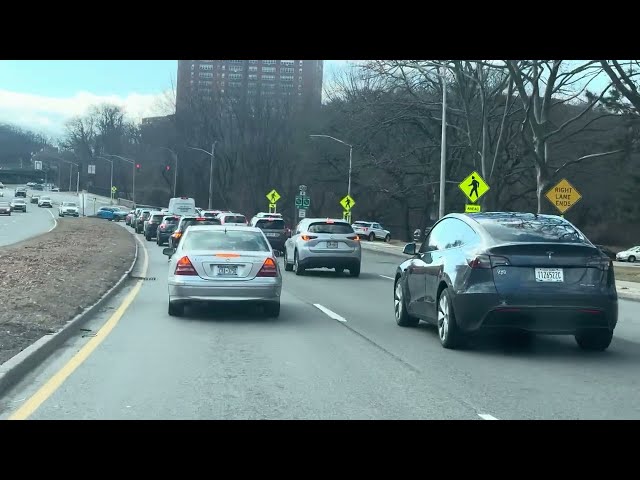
(233, 364)
(21, 226)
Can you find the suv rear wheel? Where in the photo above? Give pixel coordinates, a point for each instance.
(287, 266)
(596, 339)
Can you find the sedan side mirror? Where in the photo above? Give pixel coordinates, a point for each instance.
(409, 249)
(168, 251)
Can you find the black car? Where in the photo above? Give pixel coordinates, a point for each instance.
(186, 222)
(496, 270)
(166, 228)
(150, 227)
(607, 251)
(274, 229)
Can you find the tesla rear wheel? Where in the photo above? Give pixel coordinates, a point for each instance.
(595, 340)
(402, 316)
(448, 331)
(176, 309)
(355, 271)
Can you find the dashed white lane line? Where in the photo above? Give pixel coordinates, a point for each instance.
(390, 278)
(330, 313)
(486, 416)
(55, 222)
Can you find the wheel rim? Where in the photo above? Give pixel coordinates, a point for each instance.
(443, 317)
(397, 300)
(295, 262)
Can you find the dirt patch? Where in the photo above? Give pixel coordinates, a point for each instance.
(48, 280)
(628, 274)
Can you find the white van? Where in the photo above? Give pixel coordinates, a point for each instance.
(182, 206)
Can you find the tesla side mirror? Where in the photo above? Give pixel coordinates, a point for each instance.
(168, 251)
(417, 234)
(409, 249)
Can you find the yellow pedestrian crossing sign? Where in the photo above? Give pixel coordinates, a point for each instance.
(273, 196)
(474, 186)
(348, 202)
(114, 189)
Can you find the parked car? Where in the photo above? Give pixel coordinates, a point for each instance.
(504, 270)
(323, 243)
(222, 264)
(630, 255)
(371, 231)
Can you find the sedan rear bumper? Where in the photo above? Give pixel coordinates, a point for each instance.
(200, 290)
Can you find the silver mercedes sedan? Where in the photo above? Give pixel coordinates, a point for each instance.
(217, 263)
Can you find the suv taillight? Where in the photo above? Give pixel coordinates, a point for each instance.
(184, 267)
(356, 238)
(306, 238)
(269, 268)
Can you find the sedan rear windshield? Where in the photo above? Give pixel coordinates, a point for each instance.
(18, 200)
(335, 228)
(235, 219)
(157, 218)
(270, 224)
(4, 204)
(533, 229)
(229, 240)
(172, 220)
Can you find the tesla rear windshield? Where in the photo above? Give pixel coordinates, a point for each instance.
(531, 229)
(270, 224)
(335, 228)
(229, 240)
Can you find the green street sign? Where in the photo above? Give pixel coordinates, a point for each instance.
(298, 201)
(306, 202)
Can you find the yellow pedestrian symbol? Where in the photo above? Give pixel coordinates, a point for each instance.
(474, 187)
(273, 196)
(348, 202)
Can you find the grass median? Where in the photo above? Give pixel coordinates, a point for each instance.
(627, 274)
(49, 279)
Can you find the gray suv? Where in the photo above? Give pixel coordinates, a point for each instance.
(323, 242)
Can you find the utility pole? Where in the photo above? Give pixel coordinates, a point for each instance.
(213, 155)
(443, 148)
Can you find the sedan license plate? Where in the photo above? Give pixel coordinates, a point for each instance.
(549, 275)
(332, 244)
(228, 270)
(272, 234)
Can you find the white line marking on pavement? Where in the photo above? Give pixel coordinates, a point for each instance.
(390, 278)
(486, 416)
(55, 222)
(329, 313)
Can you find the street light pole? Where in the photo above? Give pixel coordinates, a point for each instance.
(133, 163)
(212, 154)
(443, 149)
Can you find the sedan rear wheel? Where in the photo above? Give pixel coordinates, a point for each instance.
(176, 309)
(272, 309)
(448, 331)
(402, 316)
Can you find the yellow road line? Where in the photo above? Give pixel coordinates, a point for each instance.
(33, 403)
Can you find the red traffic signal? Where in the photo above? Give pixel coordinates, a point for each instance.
(138, 166)
(168, 168)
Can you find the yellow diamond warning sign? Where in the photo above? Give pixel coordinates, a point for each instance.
(563, 195)
(474, 187)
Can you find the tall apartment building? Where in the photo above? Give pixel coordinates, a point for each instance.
(250, 79)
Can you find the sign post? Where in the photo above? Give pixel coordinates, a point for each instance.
(273, 196)
(302, 201)
(113, 192)
(473, 187)
(563, 196)
(347, 204)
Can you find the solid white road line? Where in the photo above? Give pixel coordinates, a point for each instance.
(329, 313)
(384, 276)
(486, 416)
(55, 222)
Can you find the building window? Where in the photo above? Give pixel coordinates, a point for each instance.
(268, 69)
(268, 86)
(205, 83)
(234, 84)
(252, 85)
(287, 62)
(286, 86)
(235, 76)
(268, 77)
(206, 67)
(253, 61)
(235, 61)
(205, 75)
(287, 70)
(236, 68)
(253, 77)
(269, 62)
(268, 92)
(286, 78)
(253, 69)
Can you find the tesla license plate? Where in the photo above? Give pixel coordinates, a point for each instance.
(332, 244)
(549, 275)
(227, 270)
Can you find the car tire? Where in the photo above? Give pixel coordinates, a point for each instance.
(147, 237)
(448, 331)
(594, 340)
(296, 266)
(403, 318)
(288, 267)
(272, 309)
(632, 259)
(387, 238)
(339, 270)
(372, 237)
(355, 271)
(176, 309)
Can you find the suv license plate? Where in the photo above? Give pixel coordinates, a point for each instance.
(272, 234)
(227, 270)
(332, 244)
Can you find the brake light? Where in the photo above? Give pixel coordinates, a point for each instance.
(162, 227)
(329, 220)
(177, 235)
(356, 238)
(600, 262)
(306, 238)
(269, 268)
(488, 261)
(227, 255)
(200, 218)
(185, 267)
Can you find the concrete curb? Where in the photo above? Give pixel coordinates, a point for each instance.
(391, 251)
(18, 366)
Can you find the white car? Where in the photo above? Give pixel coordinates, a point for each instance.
(371, 231)
(630, 255)
(68, 208)
(45, 201)
(235, 219)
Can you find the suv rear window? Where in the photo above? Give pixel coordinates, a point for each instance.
(235, 219)
(172, 220)
(335, 228)
(532, 228)
(275, 224)
(157, 218)
(233, 240)
(193, 221)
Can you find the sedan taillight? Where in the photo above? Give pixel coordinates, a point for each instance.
(185, 267)
(269, 268)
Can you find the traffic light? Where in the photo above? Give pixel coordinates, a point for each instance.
(137, 166)
(168, 168)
